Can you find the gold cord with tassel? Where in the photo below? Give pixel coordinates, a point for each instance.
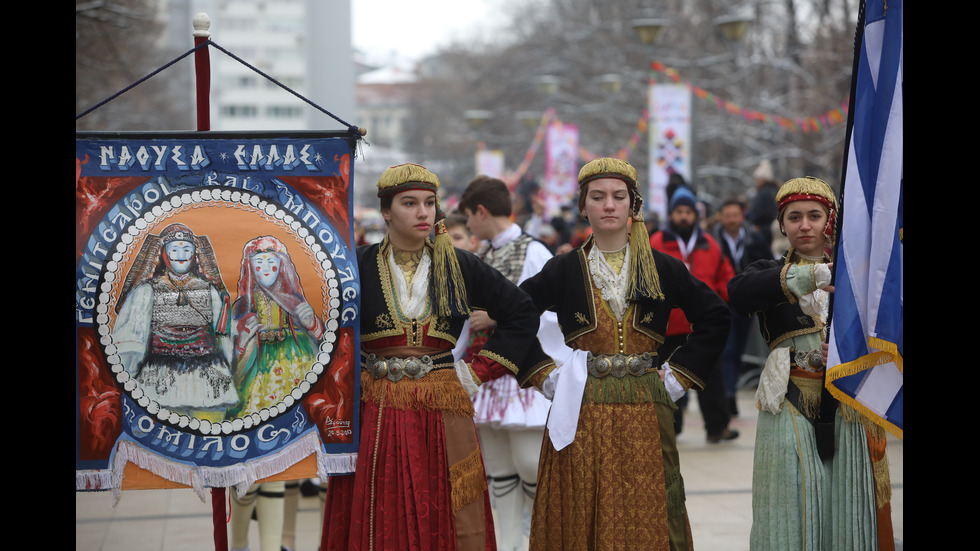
(445, 269)
(643, 276)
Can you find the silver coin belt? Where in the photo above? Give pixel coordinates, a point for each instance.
(396, 369)
(619, 365)
(811, 360)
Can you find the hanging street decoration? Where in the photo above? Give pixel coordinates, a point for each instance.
(807, 124)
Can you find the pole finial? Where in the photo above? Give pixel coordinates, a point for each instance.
(202, 24)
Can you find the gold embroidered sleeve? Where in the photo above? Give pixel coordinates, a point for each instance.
(784, 285)
(538, 377)
(686, 378)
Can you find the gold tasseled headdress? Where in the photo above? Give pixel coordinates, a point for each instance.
(608, 167)
(643, 276)
(809, 188)
(399, 178)
(447, 286)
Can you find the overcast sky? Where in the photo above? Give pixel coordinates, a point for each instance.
(408, 30)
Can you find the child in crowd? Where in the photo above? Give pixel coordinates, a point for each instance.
(462, 237)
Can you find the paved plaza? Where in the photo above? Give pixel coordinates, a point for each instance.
(718, 478)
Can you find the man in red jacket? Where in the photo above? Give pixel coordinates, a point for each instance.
(684, 239)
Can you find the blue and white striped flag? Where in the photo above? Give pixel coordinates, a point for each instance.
(866, 346)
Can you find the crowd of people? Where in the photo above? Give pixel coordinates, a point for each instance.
(540, 369)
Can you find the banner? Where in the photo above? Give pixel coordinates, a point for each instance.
(216, 307)
(866, 337)
(561, 166)
(670, 141)
(490, 162)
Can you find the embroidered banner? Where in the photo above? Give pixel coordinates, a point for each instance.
(490, 162)
(561, 166)
(216, 306)
(670, 141)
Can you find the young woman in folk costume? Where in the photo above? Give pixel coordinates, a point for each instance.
(173, 327)
(609, 476)
(420, 482)
(276, 338)
(799, 500)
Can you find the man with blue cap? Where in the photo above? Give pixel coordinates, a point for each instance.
(683, 239)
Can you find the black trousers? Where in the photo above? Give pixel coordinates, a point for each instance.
(712, 400)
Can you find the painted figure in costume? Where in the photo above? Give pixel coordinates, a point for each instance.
(801, 499)
(609, 475)
(172, 330)
(420, 483)
(276, 330)
(276, 338)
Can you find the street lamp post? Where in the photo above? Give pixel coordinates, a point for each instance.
(649, 28)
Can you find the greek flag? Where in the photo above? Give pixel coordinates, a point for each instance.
(866, 346)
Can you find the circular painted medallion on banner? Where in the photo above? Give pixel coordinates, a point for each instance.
(218, 309)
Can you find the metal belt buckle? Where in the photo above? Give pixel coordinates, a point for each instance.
(639, 364)
(810, 361)
(598, 366)
(619, 365)
(395, 369)
(417, 367)
(377, 367)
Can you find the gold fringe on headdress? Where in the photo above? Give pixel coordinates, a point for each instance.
(607, 167)
(400, 178)
(808, 185)
(643, 276)
(448, 287)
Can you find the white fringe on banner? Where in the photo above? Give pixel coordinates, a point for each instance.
(240, 476)
(93, 480)
(335, 463)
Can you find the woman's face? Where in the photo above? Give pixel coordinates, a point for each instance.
(410, 218)
(265, 268)
(804, 222)
(181, 256)
(607, 206)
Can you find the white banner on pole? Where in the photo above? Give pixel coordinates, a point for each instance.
(490, 162)
(561, 166)
(670, 141)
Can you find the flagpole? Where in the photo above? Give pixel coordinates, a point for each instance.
(858, 40)
(866, 338)
(202, 73)
(824, 427)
